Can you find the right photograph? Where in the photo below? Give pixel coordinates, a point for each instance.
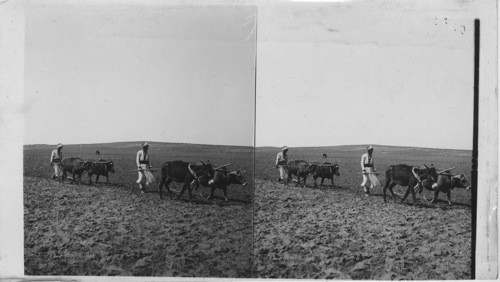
(364, 143)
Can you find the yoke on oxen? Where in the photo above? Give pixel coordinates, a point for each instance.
(224, 177)
(410, 176)
(324, 170)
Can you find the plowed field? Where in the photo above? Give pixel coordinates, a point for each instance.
(113, 229)
(339, 233)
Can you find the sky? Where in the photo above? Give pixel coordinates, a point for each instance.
(327, 74)
(355, 73)
(105, 73)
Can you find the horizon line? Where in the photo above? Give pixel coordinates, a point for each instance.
(265, 146)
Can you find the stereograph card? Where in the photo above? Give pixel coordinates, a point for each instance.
(154, 141)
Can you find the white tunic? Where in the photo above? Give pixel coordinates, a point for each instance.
(281, 158)
(366, 159)
(369, 178)
(142, 157)
(55, 160)
(56, 156)
(145, 176)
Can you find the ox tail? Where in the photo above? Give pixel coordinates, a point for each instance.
(194, 183)
(387, 182)
(418, 186)
(388, 174)
(163, 170)
(191, 170)
(414, 171)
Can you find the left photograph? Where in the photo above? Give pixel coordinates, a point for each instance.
(139, 140)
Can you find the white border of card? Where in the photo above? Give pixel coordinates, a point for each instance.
(12, 131)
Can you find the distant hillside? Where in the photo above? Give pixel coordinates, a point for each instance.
(379, 149)
(353, 148)
(133, 144)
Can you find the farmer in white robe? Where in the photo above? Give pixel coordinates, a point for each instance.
(281, 160)
(370, 180)
(144, 168)
(55, 161)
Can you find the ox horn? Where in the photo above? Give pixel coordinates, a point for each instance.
(219, 167)
(441, 171)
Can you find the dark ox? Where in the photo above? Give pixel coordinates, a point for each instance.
(409, 176)
(183, 172)
(299, 168)
(326, 170)
(447, 182)
(76, 166)
(101, 167)
(223, 178)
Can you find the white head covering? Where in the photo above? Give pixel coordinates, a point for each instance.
(59, 145)
(145, 144)
(369, 148)
(285, 148)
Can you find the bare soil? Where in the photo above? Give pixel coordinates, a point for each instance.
(266, 230)
(336, 232)
(113, 229)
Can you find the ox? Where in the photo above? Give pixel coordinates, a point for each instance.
(447, 182)
(409, 176)
(299, 168)
(76, 166)
(101, 167)
(223, 178)
(187, 173)
(326, 170)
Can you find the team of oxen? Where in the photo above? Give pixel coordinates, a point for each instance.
(414, 178)
(192, 175)
(78, 166)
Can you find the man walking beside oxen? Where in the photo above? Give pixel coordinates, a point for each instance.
(367, 166)
(281, 160)
(144, 168)
(55, 161)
